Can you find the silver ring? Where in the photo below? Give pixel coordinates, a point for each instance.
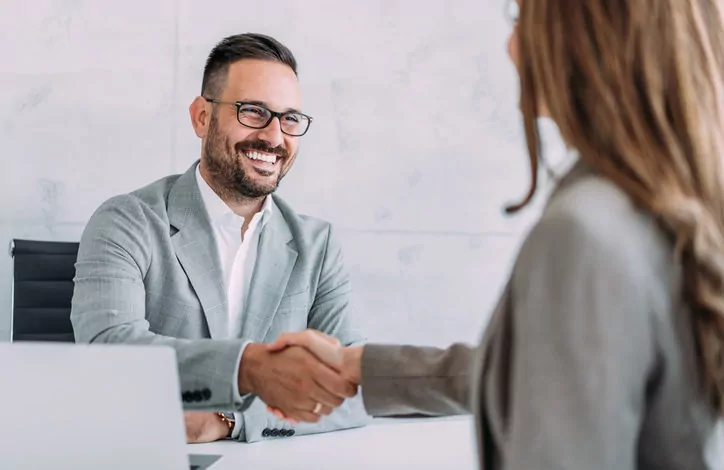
(317, 408)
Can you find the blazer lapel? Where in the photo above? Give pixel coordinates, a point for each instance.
(275, 260)
(197, 252)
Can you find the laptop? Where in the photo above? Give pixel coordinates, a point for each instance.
(79, 406)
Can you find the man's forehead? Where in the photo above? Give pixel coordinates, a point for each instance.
(273, 83)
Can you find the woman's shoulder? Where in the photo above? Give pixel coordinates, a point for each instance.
(590, 217)
(604, 213)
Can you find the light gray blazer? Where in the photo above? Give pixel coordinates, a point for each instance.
(148, 272)
(588, 361)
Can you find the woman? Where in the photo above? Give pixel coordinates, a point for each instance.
(606, 350)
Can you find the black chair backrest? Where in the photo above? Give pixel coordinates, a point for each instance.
(42, 290)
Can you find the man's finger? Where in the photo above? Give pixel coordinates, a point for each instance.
(322, 345)
(279, 415)
(325, 410)
(333, 385)
(330, 339)
(301, 415)
(327, 352)
(299, 338)
(280, 343)
(276, 412)
(307, 416)
(325, 348)
(320, 395)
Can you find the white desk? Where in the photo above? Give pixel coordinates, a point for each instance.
(399, 444)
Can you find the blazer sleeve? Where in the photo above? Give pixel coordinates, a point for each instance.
(400, 380)
(109, 306)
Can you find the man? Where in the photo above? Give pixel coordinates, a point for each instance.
(212, 264)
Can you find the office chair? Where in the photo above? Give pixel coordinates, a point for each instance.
(42, 290)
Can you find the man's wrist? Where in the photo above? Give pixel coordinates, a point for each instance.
(250, 362)
(229, 420)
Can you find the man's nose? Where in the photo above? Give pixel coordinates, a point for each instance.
(272, 133)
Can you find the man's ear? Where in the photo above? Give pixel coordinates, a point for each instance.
(200, 116)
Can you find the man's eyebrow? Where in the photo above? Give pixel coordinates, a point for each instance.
(262, 103)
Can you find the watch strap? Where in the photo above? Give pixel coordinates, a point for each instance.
(229, 420)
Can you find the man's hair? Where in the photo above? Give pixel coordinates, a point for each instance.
(239, 47)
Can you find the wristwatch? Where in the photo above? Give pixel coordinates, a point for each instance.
(229, 420)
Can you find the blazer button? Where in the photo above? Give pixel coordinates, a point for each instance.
(206, 394)
(186, 397)
(291, 432)
(265, 432)
(197, 395)
(274, 433)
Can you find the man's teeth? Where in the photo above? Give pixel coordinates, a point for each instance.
(264, 157)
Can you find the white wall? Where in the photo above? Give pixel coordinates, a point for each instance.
(415, 148)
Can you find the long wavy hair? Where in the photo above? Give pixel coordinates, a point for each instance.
(637, 87)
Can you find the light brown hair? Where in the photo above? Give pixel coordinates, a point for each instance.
(636, 86)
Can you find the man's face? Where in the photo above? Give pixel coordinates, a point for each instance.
(244, 162)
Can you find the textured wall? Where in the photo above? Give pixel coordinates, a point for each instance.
(415, 148)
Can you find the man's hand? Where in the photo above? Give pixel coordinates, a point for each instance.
(293, 381)
(204, 427)
(346, 361)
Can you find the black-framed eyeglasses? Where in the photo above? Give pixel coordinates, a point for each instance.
(512, 10)
(256, 116)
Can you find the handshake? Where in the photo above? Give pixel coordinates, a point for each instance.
(301, 376)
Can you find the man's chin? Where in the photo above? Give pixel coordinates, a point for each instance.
(265, 174)
(256, 191)
(258, 182)
(256, 194)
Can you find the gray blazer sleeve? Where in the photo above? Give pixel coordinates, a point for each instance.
(332, 313)
(109, 305)
(398, 380)
(583, 348)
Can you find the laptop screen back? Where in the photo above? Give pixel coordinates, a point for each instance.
(90, 407)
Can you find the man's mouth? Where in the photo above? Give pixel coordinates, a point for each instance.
(262, 159)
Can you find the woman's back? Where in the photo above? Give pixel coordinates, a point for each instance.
(590, 360)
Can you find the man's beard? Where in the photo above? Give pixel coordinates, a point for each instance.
(229, 178)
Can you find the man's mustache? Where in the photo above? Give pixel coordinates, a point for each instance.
(262, 146)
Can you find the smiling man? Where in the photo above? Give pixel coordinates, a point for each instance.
(213, 264)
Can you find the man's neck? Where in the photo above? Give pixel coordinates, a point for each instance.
(244, 207)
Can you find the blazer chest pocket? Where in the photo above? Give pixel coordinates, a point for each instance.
(294, 302)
